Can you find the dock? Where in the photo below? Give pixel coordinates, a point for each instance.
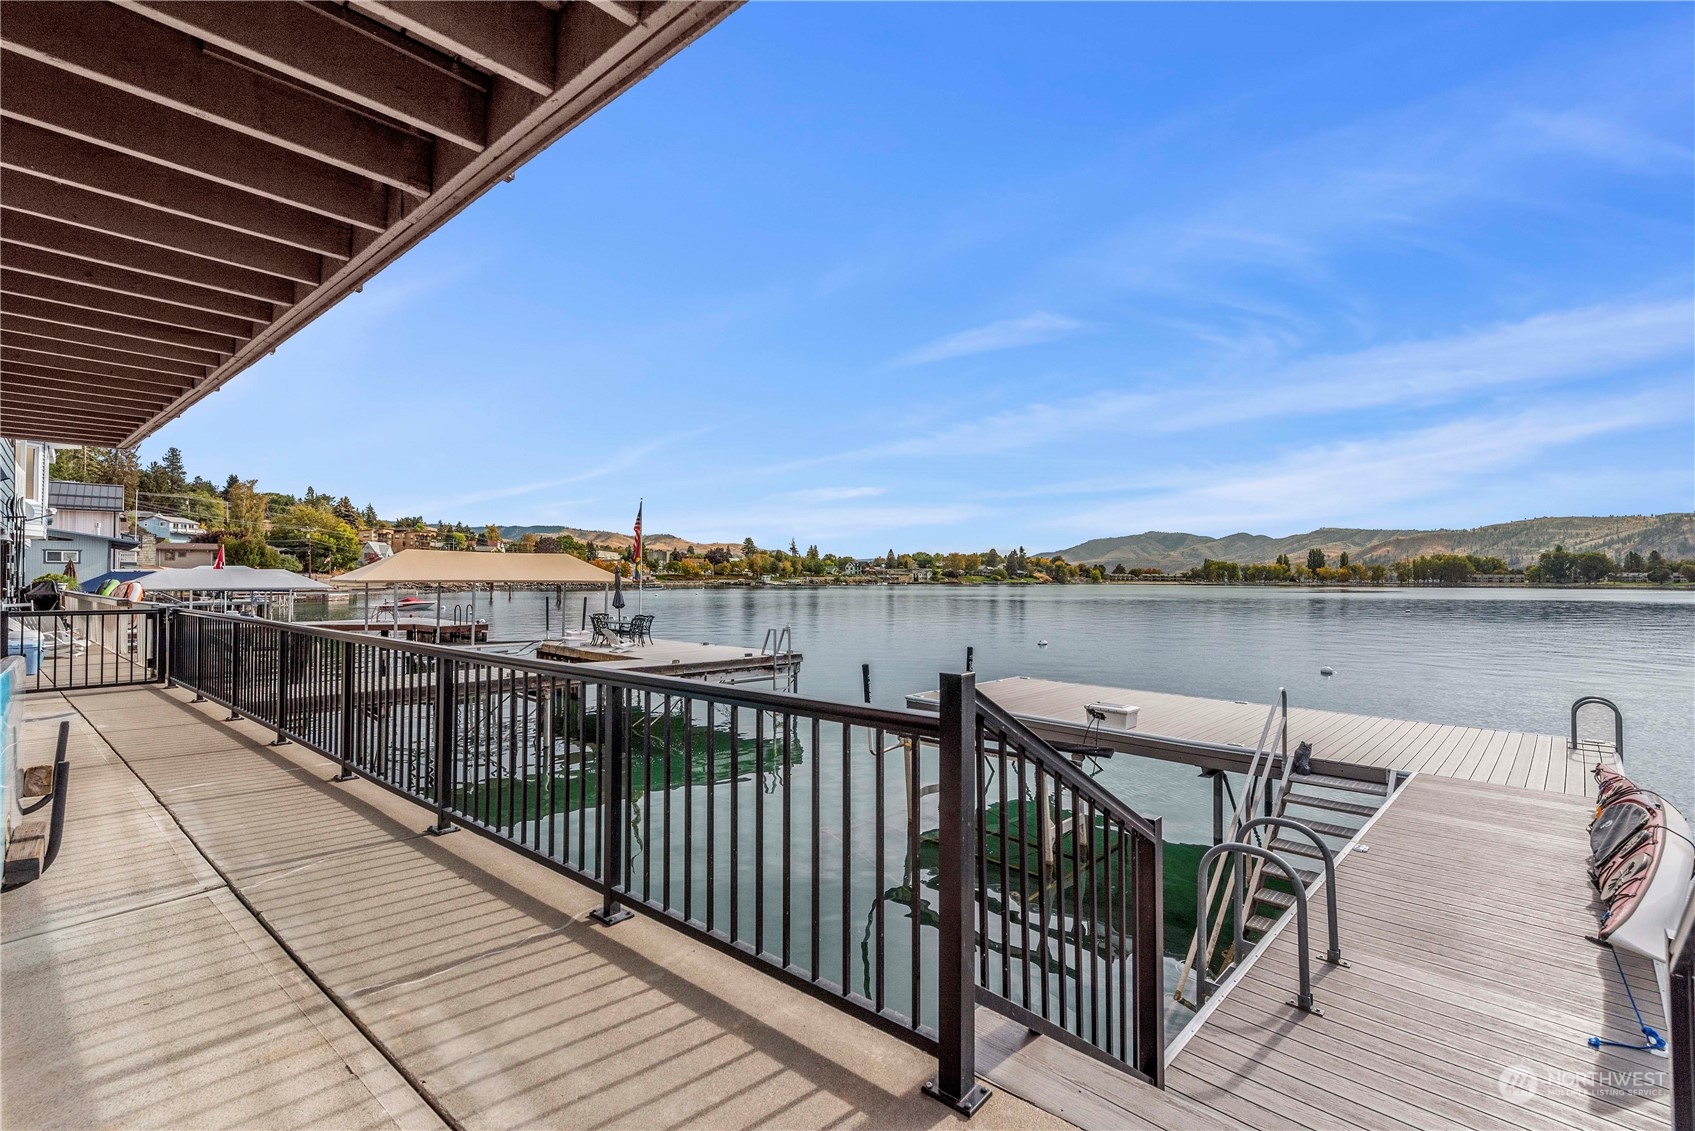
(419, 630)
(1543, 762)
(1469, 997)
(714, 663)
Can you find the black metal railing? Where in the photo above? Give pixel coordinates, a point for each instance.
(78, 649)
(845, 849)
(1680, 1011)
(1071, 914)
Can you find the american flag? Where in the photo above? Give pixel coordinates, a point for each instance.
(638, 546)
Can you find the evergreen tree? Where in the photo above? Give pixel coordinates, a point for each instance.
(1315, 558)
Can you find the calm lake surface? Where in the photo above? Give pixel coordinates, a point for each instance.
(1475, 657)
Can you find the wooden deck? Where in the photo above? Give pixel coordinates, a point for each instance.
(1448, 1001)
(1496, 757)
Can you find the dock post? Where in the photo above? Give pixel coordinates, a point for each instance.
(614, 740)
(956, 948)
(865, 678)
(446, 738)
(1148, 958)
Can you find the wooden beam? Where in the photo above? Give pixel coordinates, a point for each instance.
(74, 386)
(623, 13)
(510, 38)
(12, 336)
(115, 343)
(37, 362)
(51, 265)
(124, 49)
(28, 230)
(37, 196)
(325, 48)
(64, 416)
(58, 100)
(69, 161)
(43, 405)
(146, 334)
(113, 302)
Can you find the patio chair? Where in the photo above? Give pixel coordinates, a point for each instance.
(604, 631)
(639, 630)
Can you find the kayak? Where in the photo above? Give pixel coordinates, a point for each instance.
(1641, 862)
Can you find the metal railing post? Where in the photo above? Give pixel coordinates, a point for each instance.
(235, 672)
(160, 625)
(282, 689)
(956, 947)
(1681, 1016)
(1148, 955)
(614, 741)
(199, 660)
(446, 738)
(347, 715)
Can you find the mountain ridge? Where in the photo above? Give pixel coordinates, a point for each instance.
(1519, 542)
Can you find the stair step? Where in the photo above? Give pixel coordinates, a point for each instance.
(1274, 898)
(1379, 788)
(1260, 923)
(1325, 828)
(1296, 848)
(1353, 808)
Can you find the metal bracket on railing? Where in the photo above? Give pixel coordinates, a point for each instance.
(1334, 954)
(1203, 984)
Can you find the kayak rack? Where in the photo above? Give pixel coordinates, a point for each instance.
(1618, 722)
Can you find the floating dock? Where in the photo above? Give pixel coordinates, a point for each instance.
(1544, 762)
(714, 663)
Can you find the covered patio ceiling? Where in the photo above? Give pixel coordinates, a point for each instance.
(185, 184)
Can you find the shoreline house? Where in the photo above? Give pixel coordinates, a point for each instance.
(83, 532)
(169, 527)
(24, 507)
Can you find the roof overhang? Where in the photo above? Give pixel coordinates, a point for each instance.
(185, 184)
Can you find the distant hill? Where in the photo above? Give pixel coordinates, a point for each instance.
(1518, 542)
(613, 540)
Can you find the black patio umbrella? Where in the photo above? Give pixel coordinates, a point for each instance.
(618, 594)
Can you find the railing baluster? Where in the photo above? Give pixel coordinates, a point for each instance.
(613, 741)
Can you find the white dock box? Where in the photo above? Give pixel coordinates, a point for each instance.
(1117, 716)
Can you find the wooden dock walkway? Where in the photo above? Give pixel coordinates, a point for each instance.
(1496, 757)
(1469, 998)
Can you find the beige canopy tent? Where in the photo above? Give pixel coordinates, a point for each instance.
(456, 567)
(438, 568)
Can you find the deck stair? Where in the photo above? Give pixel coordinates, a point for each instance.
(1268, 896)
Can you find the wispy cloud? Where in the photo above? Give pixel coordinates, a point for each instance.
(1545, 349)
(619, 461)
(1006, 334)
(833, 494)
(1363, 478)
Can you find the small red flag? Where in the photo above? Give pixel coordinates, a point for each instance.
(218, 562)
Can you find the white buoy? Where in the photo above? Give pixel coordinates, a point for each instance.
(1041, 643)
(1326, 671)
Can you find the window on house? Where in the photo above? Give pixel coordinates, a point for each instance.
(61, 557)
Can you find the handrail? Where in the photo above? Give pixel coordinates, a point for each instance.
(1618, 722)
(922, 722)
(1203, 984)
(1334, 955)
(1062, 767)
(1259, 776)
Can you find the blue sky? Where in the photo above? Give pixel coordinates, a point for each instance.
(949, 276)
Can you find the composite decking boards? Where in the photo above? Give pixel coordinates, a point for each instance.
(1445, 993)
(1503, 757)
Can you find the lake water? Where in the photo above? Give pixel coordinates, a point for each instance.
(1475, 657)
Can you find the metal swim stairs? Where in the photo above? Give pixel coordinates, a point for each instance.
(1301, 793)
